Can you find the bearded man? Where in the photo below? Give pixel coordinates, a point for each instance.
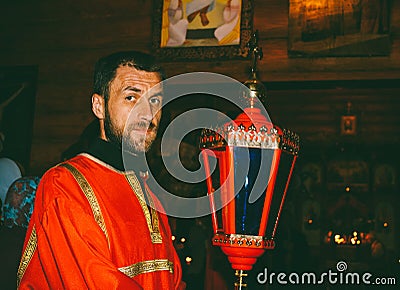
(94, 225)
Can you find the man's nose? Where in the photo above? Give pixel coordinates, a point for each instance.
(145, 112)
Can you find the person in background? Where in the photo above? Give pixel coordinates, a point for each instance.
(9, 172)
(377, 258)
(91, 227)
(17, 211)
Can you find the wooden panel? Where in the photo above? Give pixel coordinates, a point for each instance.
(64, 39)
(46, 155)
(315, 114)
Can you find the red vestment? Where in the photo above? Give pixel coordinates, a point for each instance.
(101, 236)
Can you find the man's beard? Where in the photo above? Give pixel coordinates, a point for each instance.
(133, 143)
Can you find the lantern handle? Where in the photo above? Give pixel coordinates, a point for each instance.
(256, 52)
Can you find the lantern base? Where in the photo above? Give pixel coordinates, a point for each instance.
(242, 250)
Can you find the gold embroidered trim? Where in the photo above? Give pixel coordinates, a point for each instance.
(147, 267)
(151, 219)
(156, 235)
(27, 255)
(91, 197)
(94, 159)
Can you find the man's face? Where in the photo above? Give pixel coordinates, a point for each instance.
(133, 110)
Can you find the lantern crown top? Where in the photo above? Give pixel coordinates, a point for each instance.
(252, 128)
(242, 132)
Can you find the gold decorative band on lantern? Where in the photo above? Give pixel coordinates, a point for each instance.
(248, 241)
(240, 136)
(290, 142)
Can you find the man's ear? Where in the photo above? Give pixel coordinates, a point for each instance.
(98, 106)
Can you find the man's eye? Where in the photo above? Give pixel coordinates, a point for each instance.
(130, 98)
(155, 101)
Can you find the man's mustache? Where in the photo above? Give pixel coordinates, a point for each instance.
(143, 126)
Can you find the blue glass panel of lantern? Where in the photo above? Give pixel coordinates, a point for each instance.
(250, 186)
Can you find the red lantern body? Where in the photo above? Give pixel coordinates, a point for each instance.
(253, 162)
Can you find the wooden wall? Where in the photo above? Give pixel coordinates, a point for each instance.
(64, 38)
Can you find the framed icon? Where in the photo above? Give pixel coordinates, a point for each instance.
(202, 29)
(348, 125)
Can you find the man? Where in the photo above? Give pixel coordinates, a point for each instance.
(9, 172)
(91, 227)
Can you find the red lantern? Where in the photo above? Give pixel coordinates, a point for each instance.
(254, 161)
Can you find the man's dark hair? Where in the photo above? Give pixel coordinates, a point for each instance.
(106, 67)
